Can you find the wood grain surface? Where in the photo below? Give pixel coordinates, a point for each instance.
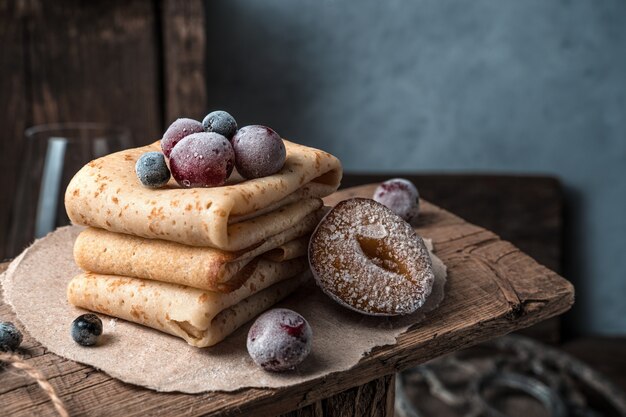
(75, 61)
(13, 107)
(184, 51)
(493, 288)
(95, 61)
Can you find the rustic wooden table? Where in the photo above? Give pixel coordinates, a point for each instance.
(493, 288)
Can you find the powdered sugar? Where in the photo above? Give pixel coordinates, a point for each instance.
(367, 258)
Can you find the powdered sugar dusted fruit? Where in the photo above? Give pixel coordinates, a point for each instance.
(367, 258)
(202, 160)
(220, 122)
(177, 131)
(279, 340)
(152, 170)
(401, 196)
(260, 151)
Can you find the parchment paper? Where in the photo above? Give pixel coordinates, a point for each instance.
(35, 285)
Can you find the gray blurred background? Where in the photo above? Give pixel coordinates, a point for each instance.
(443, 85)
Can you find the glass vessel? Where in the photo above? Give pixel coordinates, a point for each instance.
(52, 154)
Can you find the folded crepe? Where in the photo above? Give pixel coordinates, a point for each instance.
(106, 194)
(289, 250)
(202, 318)
(108, 253)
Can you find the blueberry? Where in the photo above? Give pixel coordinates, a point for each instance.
(202, 160)
(220, 122)
(259, 151)
(152, 170)
(177, 131)
(279, 340)
(86, 329)
(10, 337)
(401, 196)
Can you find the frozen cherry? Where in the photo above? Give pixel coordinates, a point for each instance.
(220, 122)
(401, 196)
(279, 340)
(178, 130)
(259, 151)
(202, 160)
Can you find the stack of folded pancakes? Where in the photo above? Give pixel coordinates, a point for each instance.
(194, 262)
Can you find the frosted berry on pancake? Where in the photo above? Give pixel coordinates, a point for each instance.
(152, 170)
(259, 151)
(220, 122)
(401, 196)
(202, 160)
(177, 131)
(279, 340)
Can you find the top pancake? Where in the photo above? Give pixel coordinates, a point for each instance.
(106, 193)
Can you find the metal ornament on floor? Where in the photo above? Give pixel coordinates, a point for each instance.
(512, 370)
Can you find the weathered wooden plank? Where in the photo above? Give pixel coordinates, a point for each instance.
(372, 399)
(13, 105)
(493, 289)
(73, 61)
(184, 51)
(96, 61)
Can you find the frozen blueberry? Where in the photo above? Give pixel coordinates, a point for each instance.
(177, 131)
(86, 329)
(259, 151)
(152, 170)
(220, 122)
(202, 160)
(279, 340)
(401, 196)
(10, 337)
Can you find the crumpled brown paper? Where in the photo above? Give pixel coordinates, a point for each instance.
(35, 285)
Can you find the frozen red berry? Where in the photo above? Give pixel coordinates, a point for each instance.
(279, 340)
(202, 160)
(401, 196)
(259, 151)
(177, 131)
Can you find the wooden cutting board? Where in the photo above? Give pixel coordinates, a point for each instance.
(492, 289)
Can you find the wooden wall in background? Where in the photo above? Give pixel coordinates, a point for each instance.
(136, 63)
(184, 49)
